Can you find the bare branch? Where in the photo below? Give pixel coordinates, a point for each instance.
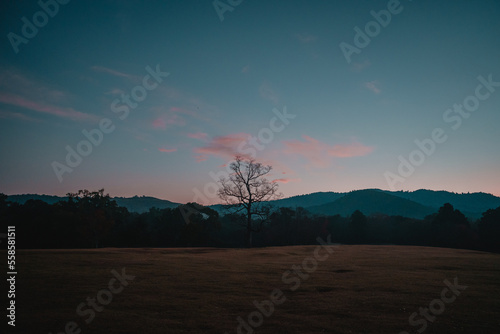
(246, 187)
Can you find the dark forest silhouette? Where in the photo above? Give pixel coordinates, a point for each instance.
(93, 219)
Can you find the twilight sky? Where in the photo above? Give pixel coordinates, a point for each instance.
(169, 91)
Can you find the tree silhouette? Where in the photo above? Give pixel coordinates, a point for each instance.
(244, 191)
(199, 227)
(447, 215)
(450, 227)
(489, 229)
(4, 206)
(95, 212)
(357, 226)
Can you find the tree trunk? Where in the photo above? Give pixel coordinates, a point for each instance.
(249, 238)
(249, 228)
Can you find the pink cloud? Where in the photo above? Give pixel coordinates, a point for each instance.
(159, 123)
(167, 150)
(198, 135)
(175, 120)
(22, 102)
(22, 91)
(16, 83)
(171, 116)
(177, 109)
(201, 157)
(320, 154)
(166, 120)
(222, 146)
(285, 180)
(350, 150)
(312, 149)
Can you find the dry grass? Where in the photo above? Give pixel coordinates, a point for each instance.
(358, 289)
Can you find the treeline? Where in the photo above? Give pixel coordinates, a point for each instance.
(92, 219)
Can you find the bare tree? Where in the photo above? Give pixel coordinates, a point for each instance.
(244, 191)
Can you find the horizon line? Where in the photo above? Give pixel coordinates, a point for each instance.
(331, 191)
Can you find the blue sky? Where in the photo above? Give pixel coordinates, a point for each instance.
(349, 123)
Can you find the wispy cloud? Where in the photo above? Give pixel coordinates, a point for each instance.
(268, 93)
(21, 91)
(21, 102)
(16, 115)
(306, 38)
(286, 180)
(350, 150)
(115, 91)
(358, 67)
(198, 135)
(167, 150)
(319, 154)
(159, 123)
(245, 69)
(184, 111)
(184, 104)
(173, 116)
(374, 86)
(201, 158)
(111, 71)
(225, 147)
(13, 81)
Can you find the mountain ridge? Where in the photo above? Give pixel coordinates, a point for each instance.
(415, 204)
(373, 201)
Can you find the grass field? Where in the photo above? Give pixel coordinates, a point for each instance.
(355, 289)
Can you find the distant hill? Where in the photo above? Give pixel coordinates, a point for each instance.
(144, 203)
(295, 201)
(372, 201)
(416, 204)
(133, 204)
(307, 200)
(21, 199)
(471, 204)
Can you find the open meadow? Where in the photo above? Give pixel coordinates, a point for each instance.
(332, 289)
